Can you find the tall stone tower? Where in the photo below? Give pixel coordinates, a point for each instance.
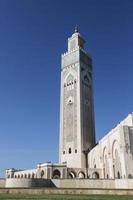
(77, 129)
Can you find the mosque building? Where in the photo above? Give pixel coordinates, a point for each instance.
(79, 155)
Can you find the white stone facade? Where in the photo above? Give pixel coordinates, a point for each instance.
(114, 152)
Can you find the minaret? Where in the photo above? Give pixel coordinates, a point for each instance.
(77, 129)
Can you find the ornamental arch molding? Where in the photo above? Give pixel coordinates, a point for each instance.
(116, 159)
(70, 77)
(115, 146)
(81, 175)
(72, 175)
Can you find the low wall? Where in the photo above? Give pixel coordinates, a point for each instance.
(2, 182)
(27, 183)
(70, 183)
(124, 183)
(45, 191)
(91, 183)
(84, 183)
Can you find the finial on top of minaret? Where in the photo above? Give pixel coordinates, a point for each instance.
(76, 29)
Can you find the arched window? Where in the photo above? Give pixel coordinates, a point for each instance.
(42, 173)
(95, 175)
(69, 151)
(81, 175)
(118, 175)
(56, 174)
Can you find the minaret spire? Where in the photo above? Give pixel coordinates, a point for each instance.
(76, 40)
(76, 29)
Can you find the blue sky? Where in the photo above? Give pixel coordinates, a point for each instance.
(33, 34)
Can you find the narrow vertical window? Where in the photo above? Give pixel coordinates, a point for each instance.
(69, 151)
